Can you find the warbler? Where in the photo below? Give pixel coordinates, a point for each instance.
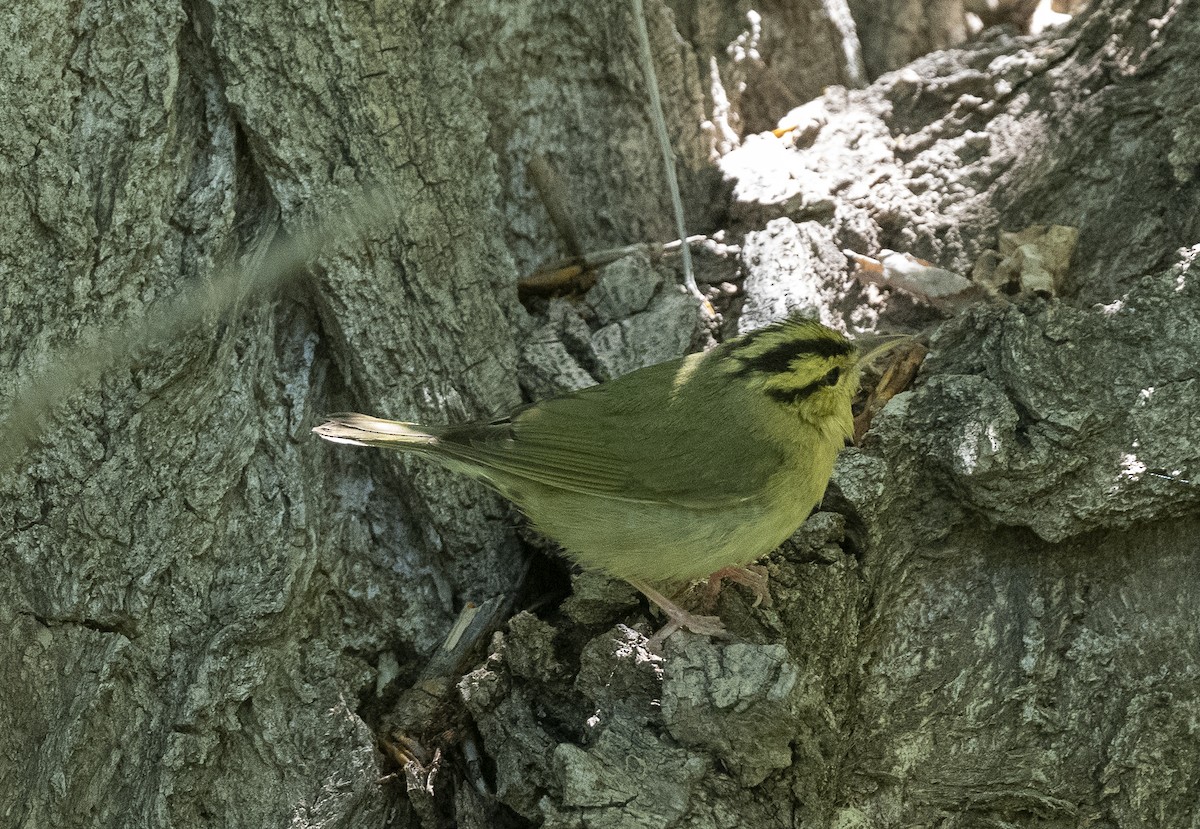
(673, 472)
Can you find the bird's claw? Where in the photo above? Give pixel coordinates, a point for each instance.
(753, 576)
(678, 619)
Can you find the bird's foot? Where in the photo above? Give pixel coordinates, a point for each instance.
(753, 576)
(678, 618)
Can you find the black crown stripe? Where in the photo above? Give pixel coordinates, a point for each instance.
(794, 396)
(779, 359)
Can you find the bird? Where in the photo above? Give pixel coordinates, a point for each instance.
(694, 467)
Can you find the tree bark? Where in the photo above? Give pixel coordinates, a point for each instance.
(214, 619)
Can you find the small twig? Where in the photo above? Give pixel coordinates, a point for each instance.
(664, 143)
(562, 273)
(553, 193)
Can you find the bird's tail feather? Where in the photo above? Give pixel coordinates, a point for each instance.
(364, 430)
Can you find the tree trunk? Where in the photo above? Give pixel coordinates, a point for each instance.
(217, 620)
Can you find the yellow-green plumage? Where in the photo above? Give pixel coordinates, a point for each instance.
(671, 472)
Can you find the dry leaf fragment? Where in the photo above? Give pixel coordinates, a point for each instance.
(1033, 260)
(943, 289)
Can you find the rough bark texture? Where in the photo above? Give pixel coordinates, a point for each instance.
(759, 59)
(994, 622)
(894, 32)
(563, 81)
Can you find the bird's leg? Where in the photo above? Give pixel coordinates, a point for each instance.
(753, 576)
(677, 618)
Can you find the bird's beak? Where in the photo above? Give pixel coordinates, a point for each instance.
(873, 346)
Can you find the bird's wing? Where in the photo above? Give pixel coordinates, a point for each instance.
(651, 436)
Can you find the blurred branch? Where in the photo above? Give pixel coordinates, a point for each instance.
(103, 346)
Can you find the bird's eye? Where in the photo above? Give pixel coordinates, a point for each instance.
(832, 377)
